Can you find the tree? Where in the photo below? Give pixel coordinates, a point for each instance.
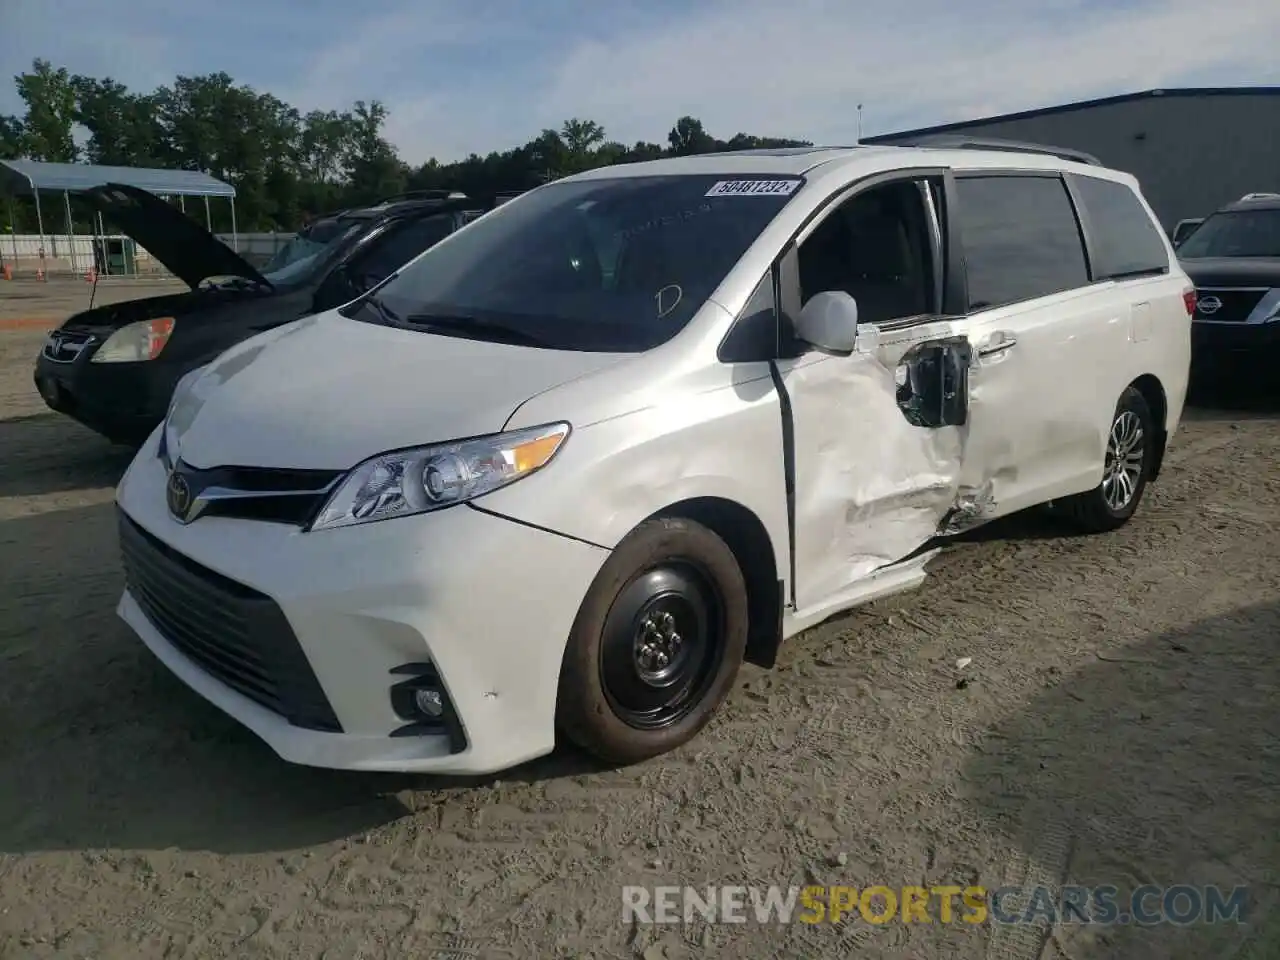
(283, 164)
(687, 137)
(581, 138)
(372, 167)
(12, 137)
(123, 130)
(51, 113)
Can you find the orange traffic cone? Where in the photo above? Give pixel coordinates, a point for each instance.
(8, 272)
(91, 275)
(39, 273)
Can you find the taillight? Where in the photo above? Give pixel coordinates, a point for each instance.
(1189, 300)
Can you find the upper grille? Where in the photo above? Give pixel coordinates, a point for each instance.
(1237, 304)
(257, 493)
(63, 346)
(234, 633)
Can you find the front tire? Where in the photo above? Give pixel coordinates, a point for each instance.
(1131, 452)
(656, 645)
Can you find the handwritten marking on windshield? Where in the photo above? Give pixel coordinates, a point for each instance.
(666, 292)
(665, 220)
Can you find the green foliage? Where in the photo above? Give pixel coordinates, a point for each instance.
(283, 165)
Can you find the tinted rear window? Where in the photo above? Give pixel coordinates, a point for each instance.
(603, 265)
(1021, 239)
(1124, 241)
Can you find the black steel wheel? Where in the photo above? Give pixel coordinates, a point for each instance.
(660, 645)
(656, 645)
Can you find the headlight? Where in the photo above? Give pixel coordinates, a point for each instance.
(429, 478)
(168, 450)
(142, 340)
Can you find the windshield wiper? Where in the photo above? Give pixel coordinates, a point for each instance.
(487, 329)
(385, 313)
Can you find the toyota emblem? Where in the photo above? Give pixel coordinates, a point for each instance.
(1208, 305)
(178, 496)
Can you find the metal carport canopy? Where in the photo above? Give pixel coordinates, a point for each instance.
(34, 176)
(30, 176)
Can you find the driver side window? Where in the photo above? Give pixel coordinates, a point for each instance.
(877, 247)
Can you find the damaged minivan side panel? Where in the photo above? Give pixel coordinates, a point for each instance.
(871, 486)
(878, 434)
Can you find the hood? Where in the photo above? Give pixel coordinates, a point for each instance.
(1233, 271)
(200, 306)
(189, 251)
(327, 392)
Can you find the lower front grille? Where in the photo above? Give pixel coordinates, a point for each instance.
(1226, 305)
(234, 633)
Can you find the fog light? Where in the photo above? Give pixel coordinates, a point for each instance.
(429, 702)
(422, 701)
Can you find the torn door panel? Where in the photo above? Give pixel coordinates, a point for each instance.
(1000, 439)
(973, 507)
(870, 486)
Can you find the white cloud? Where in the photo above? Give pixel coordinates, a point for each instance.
(479, 75)
(754, 66)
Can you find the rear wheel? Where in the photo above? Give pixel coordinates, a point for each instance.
(1131, 452)
(656, 645)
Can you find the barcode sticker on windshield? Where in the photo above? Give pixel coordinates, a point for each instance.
(753, 188)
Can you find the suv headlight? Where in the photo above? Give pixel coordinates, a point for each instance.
(422, 479)
(142, 340)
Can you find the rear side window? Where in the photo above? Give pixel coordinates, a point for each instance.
(1124, 241)
(1021, 239)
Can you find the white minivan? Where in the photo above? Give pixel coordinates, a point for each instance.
(566, 470)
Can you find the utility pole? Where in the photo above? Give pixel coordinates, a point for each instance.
(859, 123)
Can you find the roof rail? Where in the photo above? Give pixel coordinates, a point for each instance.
(1259, 196)
(503, 196)
(421, 195)
(947, 141)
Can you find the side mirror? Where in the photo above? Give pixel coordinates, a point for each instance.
(933, 383)
(829, 321)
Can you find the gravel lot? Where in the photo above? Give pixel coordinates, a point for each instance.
(1119, 725)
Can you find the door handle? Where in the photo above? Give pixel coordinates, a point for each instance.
(997, 344)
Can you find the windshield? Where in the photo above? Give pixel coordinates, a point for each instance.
(615, 265)
(293, 270)
(1239, 233)
(305, 253)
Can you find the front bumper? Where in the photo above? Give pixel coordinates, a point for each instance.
(487, 602)
(1214, 344)
(123, 402)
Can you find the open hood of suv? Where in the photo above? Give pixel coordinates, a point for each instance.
(189, 251)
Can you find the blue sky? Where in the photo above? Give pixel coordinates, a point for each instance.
(478, 75)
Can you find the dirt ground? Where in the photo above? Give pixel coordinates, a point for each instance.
(27, 304)
(1118, 725)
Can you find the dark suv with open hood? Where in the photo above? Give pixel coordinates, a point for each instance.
(113, 368)
(1233, 258)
